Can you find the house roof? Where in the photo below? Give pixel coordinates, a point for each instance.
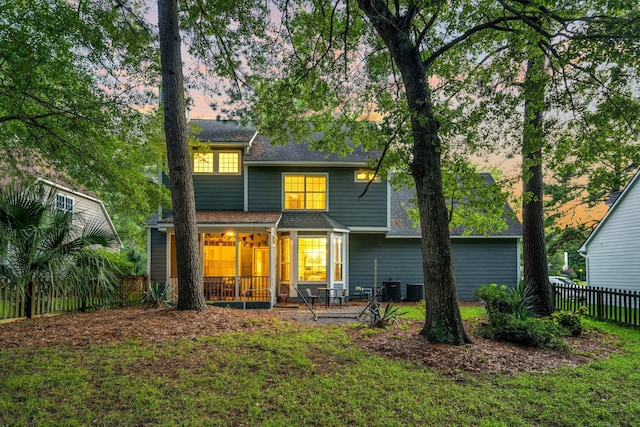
(403, 226)
(261, 150)
(283, 220)
(232, 217)
(220, 131)
(299, 152)
(24, 165)
(309, 220)
(619, 200)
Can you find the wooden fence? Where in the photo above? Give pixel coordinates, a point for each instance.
(615, 305)
(42, 300)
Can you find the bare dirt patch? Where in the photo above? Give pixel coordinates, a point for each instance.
(157, 325)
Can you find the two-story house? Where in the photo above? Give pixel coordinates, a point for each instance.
(271, 218)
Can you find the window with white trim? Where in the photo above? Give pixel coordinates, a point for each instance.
(64, 204)
(305, 192)
(312, 259)
(217, 162)
(338, 258)
(365, 175)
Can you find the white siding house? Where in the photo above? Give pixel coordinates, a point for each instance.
(81, 204)
(22, 169)
(612, 250)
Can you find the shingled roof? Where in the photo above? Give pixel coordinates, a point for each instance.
(403, 226)
(232, 217)
(263, 151)
(22, 166)
(309, 220)
(219, 131)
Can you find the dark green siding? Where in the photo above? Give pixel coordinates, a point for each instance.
(158, 256)
(219, 192)
(345, 205)
(476, 261)
(479, 261)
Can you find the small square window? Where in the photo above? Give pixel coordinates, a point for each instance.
(365, 175)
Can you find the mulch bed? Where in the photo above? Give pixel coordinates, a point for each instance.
(164, 324)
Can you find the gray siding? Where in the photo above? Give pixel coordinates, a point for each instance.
(345, 205)
(613, 253)
(476, 262)
(158, 256)
(219, 192)
(214, 192)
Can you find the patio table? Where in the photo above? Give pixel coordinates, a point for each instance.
(327, 293)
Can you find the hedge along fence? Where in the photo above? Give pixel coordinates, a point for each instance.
(616, 305)
(44, 299)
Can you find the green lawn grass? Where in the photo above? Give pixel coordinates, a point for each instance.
(293, 376)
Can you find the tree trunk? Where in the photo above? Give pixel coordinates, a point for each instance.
(534, 250)
(443, 322)
(29, 301)
(190, 286)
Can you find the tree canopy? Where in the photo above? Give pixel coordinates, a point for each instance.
(74, 78)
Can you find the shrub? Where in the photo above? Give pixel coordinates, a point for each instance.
(542, 333)
(498, 300)
(570, 321)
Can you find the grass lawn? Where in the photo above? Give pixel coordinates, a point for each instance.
(288, 375)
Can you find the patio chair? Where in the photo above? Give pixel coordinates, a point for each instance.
(311, 297)
(342, 298)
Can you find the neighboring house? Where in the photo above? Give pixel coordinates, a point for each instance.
(273, 217)
(84, 205)
(612, 251)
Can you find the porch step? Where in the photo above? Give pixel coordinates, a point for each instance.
(285, 305)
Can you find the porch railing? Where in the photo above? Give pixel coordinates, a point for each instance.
(224, 288)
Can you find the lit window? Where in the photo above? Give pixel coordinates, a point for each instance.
(229, 162)
(365, 175)
(219, 255)
(312, 259)
(338, 244)
(203, 162)
(285, 259)
(219, 162)
(305, 192)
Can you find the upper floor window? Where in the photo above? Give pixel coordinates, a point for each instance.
(216, 162)
(305, 192)
(366, 175)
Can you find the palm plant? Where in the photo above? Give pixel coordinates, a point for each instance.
(47, 247)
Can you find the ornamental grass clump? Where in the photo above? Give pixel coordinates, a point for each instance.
(376, 318)
(156, 296)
